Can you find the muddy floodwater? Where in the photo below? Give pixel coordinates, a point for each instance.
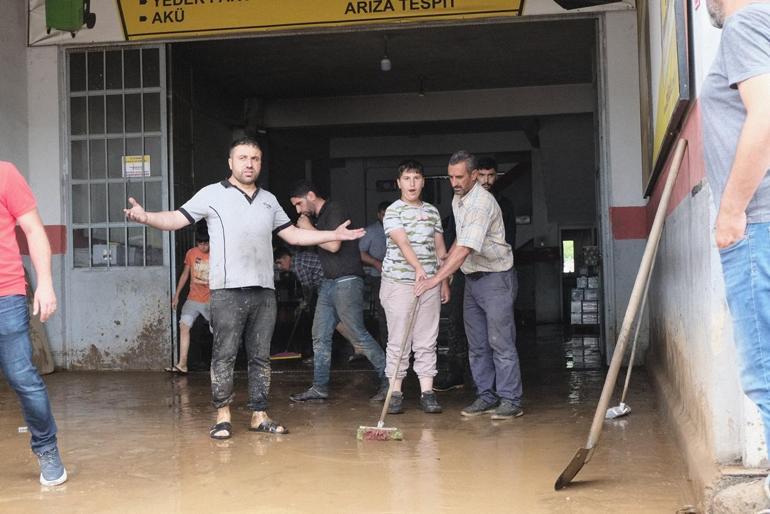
(138, 442)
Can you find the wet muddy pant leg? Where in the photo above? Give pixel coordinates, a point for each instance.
(479, 352)
(229, 315)
(324, 323)
(746, 269)
(490, 300)
(257, 337)
(349, 305)
(396, 299)
(16, 363)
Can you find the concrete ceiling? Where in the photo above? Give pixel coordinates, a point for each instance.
(443, 58)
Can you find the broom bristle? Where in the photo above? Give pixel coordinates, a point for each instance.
(378, 434)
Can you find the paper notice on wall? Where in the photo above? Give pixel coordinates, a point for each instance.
(136, 166)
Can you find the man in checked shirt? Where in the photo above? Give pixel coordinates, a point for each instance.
(306, 266)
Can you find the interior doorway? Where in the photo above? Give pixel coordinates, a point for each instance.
(324, 110)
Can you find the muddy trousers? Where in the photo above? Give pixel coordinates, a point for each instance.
(16, 363)
(746, 269)
(491, 331)
(242, 315)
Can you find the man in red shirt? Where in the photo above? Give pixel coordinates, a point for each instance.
(196, 269)
(17, 205)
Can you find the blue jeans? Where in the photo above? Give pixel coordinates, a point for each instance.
(16, 363)
(341, 299)
(746, 269)
(491, 331)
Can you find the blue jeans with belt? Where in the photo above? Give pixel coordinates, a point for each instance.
(16, 363)
(341, 299)
(491, 331)
(746, 269)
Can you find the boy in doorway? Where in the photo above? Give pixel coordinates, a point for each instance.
(196, 269)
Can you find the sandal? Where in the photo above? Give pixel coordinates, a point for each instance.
(270, 427)
(225, 426)
(175, 369)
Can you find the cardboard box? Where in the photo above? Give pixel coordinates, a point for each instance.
(576, 306)
(590, 306)
(578, 294)
(590, 294)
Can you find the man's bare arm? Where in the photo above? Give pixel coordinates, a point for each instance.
(752, 160)
(164, 220)
(368, 260)
(304, 223)
(303, 237)
(452, 263)
(40, 254)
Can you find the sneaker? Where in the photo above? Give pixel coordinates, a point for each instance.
(52, 470)
(507, 410)
(381, 393)
(429, 403)
(396, 403)
(447, 382)
(479, 407)
(310, 394)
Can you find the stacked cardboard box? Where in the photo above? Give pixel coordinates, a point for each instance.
(584, 307)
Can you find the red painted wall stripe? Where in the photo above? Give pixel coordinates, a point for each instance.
(635, 222)
(57, 236)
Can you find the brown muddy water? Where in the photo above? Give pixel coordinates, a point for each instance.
(138, 442)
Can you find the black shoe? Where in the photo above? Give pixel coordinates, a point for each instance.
(429, 403)
(507, 410)
(448, 381)
(381, 393)
(310, 394)
(396, 403)
(479, 407)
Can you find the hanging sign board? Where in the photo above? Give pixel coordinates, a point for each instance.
(163, 20)
(136, 166)
(144, 19)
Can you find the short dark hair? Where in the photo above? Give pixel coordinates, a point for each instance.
(410, 164)
(201, 237)
(464, 156)
(301, 188)
(280, 252)
(245, 140)
(383, 206)
(486, 163)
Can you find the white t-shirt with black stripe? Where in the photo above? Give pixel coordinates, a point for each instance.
(241, 229)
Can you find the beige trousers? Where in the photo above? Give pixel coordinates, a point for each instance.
(396, 299)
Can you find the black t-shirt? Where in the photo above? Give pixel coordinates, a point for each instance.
(347, 261)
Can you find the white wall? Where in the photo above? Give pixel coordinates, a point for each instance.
(13, 85)
(621, 180)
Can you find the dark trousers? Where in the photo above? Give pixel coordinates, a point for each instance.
(491, 331)
(246, 315)
(379, 311)
(457, 346)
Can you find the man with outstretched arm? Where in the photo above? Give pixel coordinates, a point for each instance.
(242, 219)
(486, 260)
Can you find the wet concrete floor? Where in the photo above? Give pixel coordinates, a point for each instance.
(138, 442)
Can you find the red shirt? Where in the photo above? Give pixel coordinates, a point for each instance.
(199, 268)
(16, 199)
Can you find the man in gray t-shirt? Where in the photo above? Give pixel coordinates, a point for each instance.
(242, 219)
(735, 104)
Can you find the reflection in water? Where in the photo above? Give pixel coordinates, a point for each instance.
(138, 442)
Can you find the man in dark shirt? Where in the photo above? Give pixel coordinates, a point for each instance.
(340, 296)
(487, 176)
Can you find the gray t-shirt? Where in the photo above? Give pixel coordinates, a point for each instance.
(374, 243)
(744, 52)
(241, 231)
